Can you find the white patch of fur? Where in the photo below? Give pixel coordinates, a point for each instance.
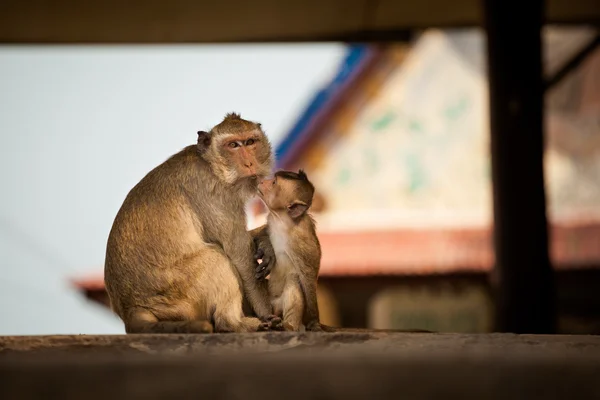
(230, 175)
(286, 296)
(222, 138)
(284, 268)
(279, 234)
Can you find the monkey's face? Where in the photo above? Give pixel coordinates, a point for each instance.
(237, 150)
(287, 191)
(270, 192)
(245, 154)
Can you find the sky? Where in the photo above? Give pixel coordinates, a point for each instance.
(80, 126)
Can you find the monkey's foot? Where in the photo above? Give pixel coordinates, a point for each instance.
(314, 326)
(271, 323)
(288, 327)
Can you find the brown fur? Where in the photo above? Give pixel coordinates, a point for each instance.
(292, 233)
(178, 255)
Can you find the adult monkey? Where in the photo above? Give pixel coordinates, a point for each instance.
(178, 254)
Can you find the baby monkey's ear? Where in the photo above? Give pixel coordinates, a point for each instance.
(297, 209)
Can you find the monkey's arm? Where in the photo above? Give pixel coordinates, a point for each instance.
(240, 249)
(264, 251)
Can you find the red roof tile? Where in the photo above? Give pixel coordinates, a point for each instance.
(431, 251)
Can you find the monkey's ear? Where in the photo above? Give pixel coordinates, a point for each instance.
(203, 140)
(297, 209)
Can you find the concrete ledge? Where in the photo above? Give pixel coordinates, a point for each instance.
(349, 365)
(355, 340)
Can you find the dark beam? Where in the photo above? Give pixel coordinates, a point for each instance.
(573, 63)
(523, 278)
(227, 21)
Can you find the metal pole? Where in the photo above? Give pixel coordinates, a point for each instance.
(523, 277)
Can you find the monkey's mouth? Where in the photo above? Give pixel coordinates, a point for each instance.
(252, 179)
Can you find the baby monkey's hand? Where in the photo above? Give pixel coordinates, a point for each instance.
(265, 253)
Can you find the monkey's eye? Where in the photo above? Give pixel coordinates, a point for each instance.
(250, 142)
(233, 145)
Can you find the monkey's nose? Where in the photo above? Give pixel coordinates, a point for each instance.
(248, 164)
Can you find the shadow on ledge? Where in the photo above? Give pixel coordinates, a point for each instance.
(360, 364)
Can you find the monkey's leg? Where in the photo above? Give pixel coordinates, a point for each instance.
(229, 316)
(141, 320)
(231, 319)
(220, 287)
(311, 314)
(293, 307)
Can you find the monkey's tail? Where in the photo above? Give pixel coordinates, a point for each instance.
(144, 320)
(170, 327)
(331, 329)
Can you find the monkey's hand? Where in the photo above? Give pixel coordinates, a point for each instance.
(271, 323)
(266, 254)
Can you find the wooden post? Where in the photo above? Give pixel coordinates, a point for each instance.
(523, 277)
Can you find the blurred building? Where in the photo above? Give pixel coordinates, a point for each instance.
(397, 147)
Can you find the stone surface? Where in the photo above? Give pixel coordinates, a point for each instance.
(348, 365)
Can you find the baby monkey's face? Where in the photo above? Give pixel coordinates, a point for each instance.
(287, 191)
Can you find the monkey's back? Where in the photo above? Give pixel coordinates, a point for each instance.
(153, 231)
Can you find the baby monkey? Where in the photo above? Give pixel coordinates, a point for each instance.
(291, 230)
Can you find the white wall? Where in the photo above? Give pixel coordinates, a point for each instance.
(79, 126)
